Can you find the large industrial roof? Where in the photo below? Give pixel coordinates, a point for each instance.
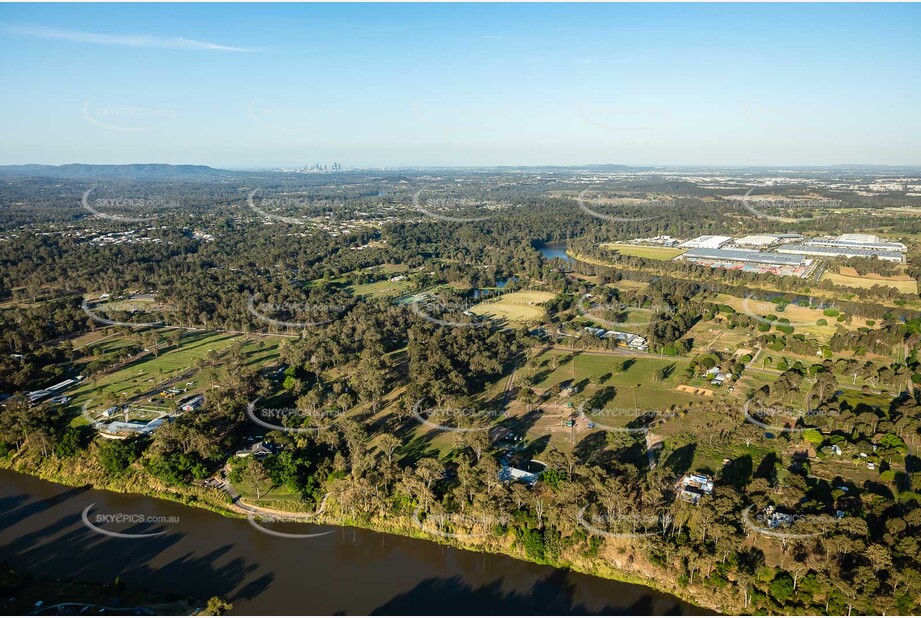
(739, 255)
(841, 250)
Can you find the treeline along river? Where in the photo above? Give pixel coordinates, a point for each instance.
(352, 571)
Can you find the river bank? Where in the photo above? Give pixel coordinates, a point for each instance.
(499, 549)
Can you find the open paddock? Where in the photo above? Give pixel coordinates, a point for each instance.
(644, 251)
(515, 306)
(848, 276)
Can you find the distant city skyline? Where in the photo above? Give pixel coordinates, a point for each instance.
(272, 86)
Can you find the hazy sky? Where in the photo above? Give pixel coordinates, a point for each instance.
(365, 85)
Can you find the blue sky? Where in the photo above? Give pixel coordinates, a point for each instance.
(241, 85)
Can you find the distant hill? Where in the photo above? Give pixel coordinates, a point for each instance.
(134, 171)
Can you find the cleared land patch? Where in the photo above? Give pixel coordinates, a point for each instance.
(381, 289)
(628, 285)
(515, 306)
(803, 319)
(653, 253)
(694, 390)
(849, 277)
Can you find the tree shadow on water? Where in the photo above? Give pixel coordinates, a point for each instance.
(552, 595)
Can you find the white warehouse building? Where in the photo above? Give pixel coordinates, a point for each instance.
(707, 242)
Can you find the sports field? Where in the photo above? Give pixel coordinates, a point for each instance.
(515, 306)
(653, 253)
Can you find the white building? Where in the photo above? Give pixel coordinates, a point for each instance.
(192, 404)
(845, 251)
(763, 240)
(707, 242)
(692, 487)
(859, 241)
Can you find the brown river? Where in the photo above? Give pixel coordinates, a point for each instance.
(348, 571)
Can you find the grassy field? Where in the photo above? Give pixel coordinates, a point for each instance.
(803, 319)
(148, 371)
(628, 285)
(716, 336)
(635, 386)
(515, 306)
(380, 289)
(277, 497)
(653, 253)
(634, 321)
(849, 277)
